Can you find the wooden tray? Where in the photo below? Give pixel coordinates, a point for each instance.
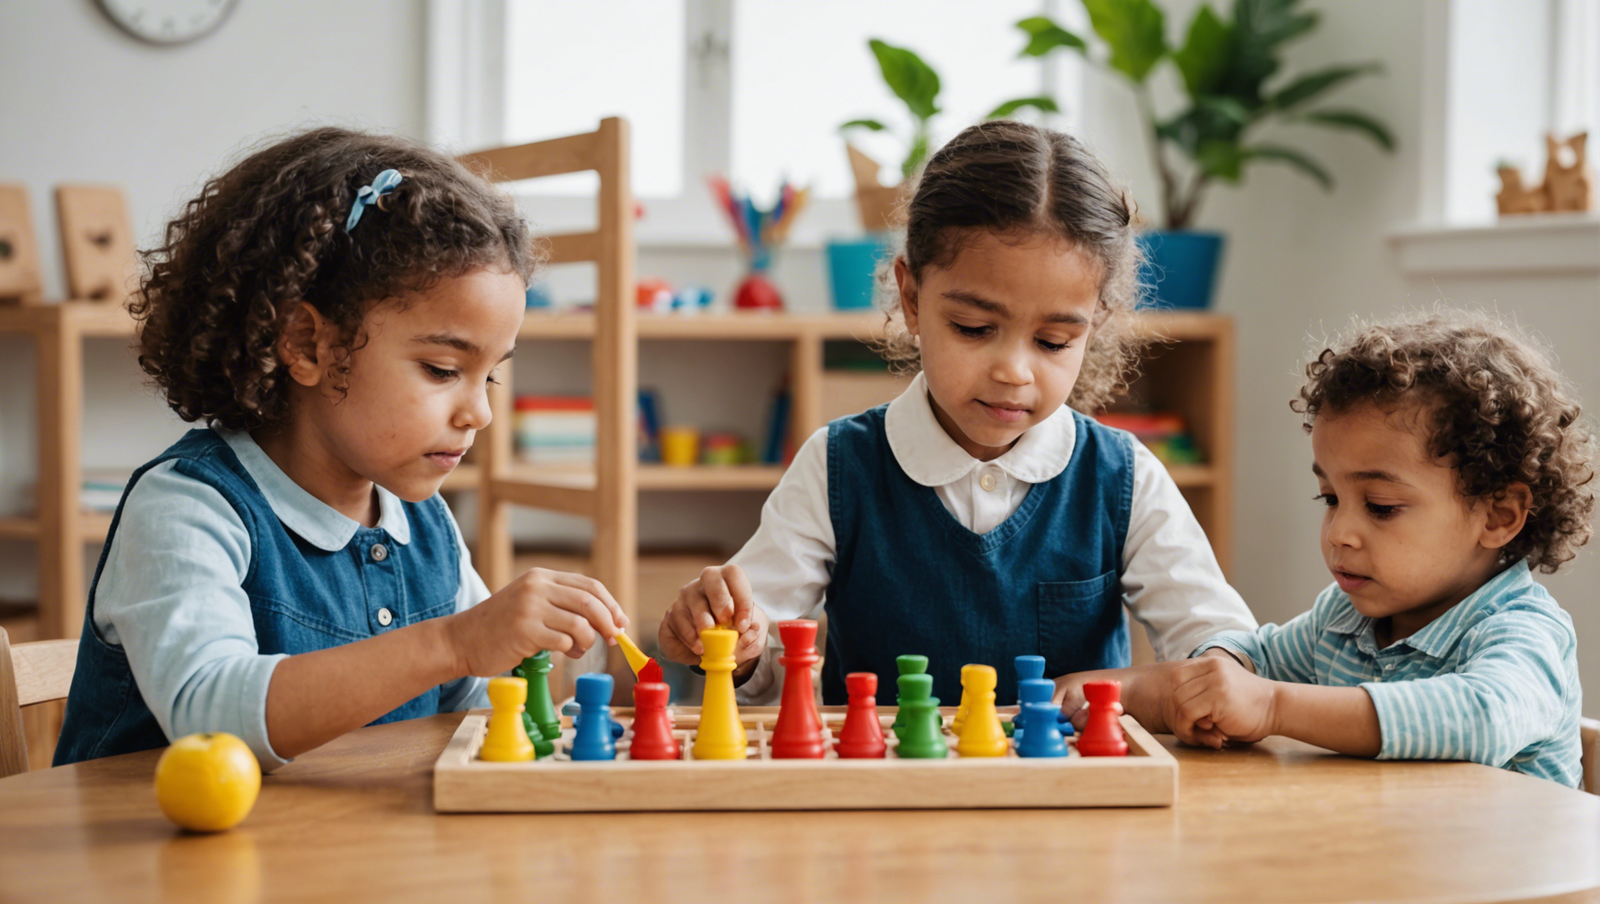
(462, 783)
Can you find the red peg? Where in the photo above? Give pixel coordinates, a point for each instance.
(1102, 735)
(862, 735)
(798, 734)
(652, 731)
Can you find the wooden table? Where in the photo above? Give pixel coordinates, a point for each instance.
(352, 821)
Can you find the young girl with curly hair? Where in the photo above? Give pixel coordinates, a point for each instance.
(978, 517)
(332, 308)
(1453, 463)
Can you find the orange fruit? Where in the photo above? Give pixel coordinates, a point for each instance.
(207, 782)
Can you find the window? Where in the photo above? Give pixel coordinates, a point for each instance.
(752, 88)
(1504, 74)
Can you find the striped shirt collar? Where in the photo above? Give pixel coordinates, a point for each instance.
(1440, 636)
(931, 458)
(310, 518)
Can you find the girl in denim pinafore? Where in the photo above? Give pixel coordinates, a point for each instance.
(977, 517)
(333, 309)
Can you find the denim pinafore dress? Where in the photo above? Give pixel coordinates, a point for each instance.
(909, 578)
(302, 598)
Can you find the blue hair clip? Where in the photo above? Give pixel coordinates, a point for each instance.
(369, 194)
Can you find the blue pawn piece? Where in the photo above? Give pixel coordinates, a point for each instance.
(592, 736)
(1030, 668)
(571, 708)
(1039, 736)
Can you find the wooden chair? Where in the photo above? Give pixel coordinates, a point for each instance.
(30, 673)
(609, 495)
(1590, 731)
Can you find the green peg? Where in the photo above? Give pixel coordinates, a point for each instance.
(921, 733)
(909, 664)
(541, 710)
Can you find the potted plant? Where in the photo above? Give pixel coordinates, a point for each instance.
(1225, 66)
(916, 84)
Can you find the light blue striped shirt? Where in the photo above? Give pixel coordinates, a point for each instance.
(1494, 680)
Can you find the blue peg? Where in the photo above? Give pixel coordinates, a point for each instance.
(1039, 736)
(592, 736)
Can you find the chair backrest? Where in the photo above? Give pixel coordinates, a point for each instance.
(30, 673)
(1590, 731)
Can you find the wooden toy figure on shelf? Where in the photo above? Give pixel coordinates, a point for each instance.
(1567, 187)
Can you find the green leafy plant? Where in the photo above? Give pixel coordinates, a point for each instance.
(917, 85)
(1225, 65)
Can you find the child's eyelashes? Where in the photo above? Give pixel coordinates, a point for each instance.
(978, 332)
(446, 374)
(1375, 509)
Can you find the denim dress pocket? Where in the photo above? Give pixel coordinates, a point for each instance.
(1081, 625)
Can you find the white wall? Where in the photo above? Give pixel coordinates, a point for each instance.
(86, 103)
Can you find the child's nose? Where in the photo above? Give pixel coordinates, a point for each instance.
(475, 412)
(1012, 367)
(1341, 531)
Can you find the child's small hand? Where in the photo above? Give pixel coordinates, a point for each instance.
(1215, 700)
(1143, 693)
(719, 596)
(539, 610)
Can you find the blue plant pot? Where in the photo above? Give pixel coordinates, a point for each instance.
(852, 269)
(1180, 268)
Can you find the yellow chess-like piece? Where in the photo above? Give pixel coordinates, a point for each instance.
(721, 735)
(982, 734)
(959, 723)
(507, 741)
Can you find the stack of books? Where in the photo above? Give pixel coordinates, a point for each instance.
(555, 430)
(1164, 432)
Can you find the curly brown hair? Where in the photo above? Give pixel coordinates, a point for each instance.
(1019, 179)
(269, 233)
(1497, 408)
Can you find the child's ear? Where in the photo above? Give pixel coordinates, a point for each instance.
(908, 293)
(1505, 514)
(303, 346)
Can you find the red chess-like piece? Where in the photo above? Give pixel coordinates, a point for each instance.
(652, 731)
(861, 738)
(1102, 735)
(798, 734)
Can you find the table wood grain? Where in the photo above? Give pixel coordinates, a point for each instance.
(1279, 822)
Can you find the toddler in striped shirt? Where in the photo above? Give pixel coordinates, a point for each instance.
(1453, 464)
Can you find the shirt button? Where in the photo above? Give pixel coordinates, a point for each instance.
(385, 616)
(379, 553)
(987, 481)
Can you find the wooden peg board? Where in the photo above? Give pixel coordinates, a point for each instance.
(19, 249)
(96, 242)
(1146, 777)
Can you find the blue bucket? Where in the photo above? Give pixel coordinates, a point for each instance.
(1180, 268)
(852, 270)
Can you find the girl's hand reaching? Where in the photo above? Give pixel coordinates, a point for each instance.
(539, 610)
(719, 596)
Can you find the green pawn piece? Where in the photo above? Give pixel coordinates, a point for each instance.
(910, 664)
(539, 717)
(921, 732)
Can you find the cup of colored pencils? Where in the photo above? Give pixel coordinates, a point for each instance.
(759, 232)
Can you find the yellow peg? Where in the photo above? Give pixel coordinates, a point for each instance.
(721, 736)
(636, 657)
(982, 734)
(507, 741)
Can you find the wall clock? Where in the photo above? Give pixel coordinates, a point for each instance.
(167, 21)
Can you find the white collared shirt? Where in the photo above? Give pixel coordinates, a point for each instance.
(172, 596)
(1171, 581)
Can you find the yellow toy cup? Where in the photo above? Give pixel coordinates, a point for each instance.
(680, 446)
